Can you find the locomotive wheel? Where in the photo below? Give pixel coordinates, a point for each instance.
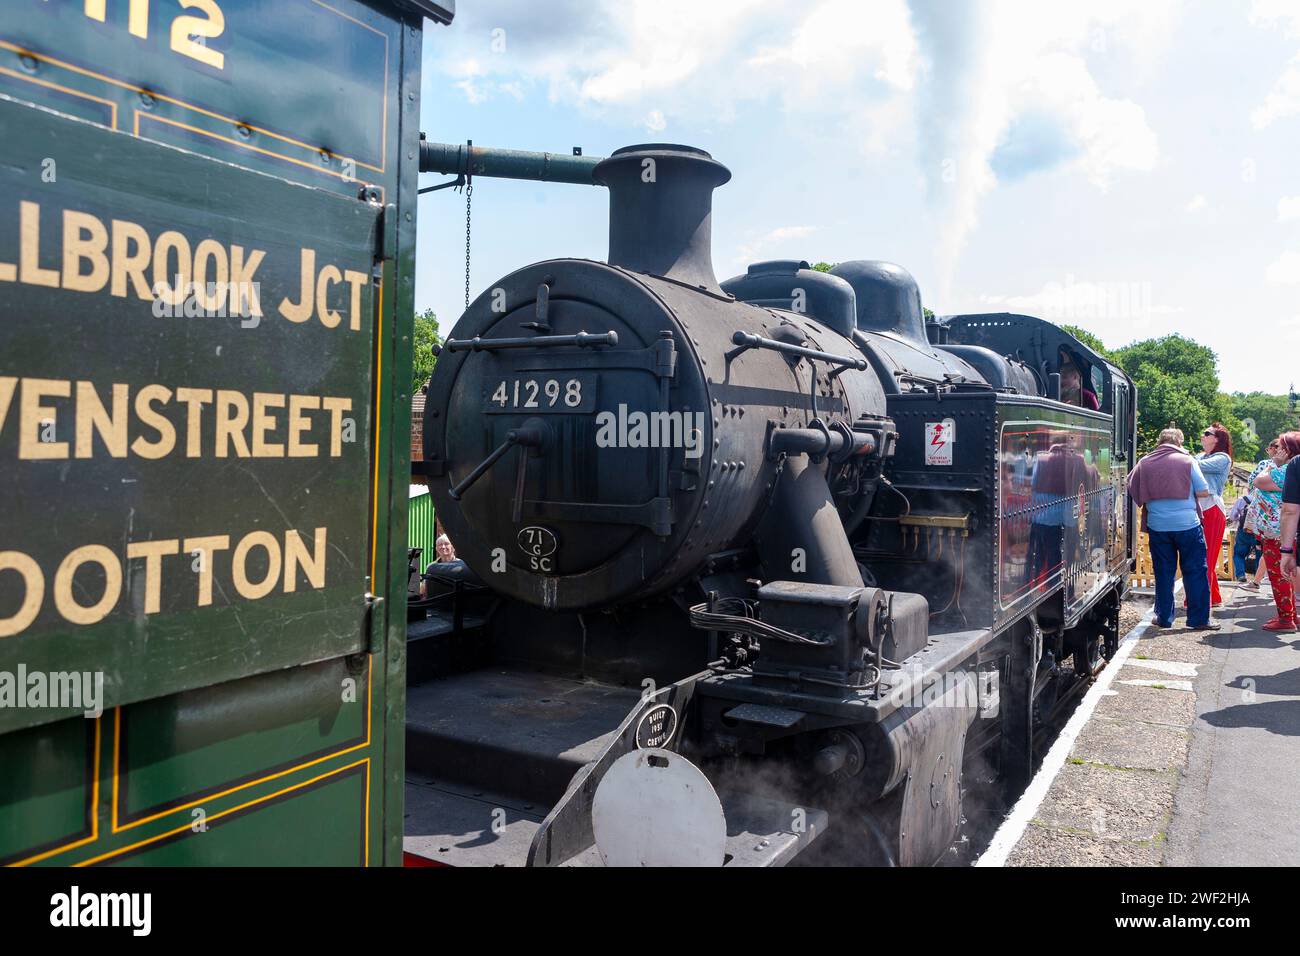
(1111, 634)
(1089, 660)
(1017, 745)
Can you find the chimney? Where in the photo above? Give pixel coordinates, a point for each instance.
(660, 210)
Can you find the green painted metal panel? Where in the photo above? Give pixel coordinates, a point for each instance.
(423, 529)
(265, 82)
(272, 833)
(179, 751)
(107, 460)
(46, 787)
(271, 109)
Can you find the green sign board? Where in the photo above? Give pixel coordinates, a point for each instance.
(187, 383)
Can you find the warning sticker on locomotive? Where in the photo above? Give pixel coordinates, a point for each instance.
(656, 727)
(939, 439)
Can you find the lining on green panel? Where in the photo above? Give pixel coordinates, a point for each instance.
(273, 833)
(190, 745)
(46, 785)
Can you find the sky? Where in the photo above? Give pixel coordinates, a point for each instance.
(1129, 167)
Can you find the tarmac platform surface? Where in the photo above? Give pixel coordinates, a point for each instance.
(1189, 757)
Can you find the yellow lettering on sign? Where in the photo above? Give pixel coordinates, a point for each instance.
(295, 556)
(336, 407)
(8, 383)
(203, 549)
(29, 248)
(244, 298)
(92, 417)
(239, 569)
(63, 597)
(195, 399)
(33, 593)
(34, 419)
(232, 416)
(298, 423)
(209, 251)
(356, 280)
(301, 310)
(329, 276)
(166, 440)
(128, 264)
(168, 243)
(264, 422)
(152, 552)
(186, 27)
(85, 238)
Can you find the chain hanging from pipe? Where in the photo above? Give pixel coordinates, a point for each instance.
(469, 193)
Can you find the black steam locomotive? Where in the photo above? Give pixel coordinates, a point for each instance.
(758, 570)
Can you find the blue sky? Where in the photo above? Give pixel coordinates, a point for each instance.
(1130, 167)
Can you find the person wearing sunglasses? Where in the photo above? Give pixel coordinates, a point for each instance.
(1215, 460)
(1269, 527)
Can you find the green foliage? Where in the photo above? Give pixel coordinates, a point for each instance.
(1271, 414)
(825, 266)
(1088, 339)
(1178, 381)
(426, 337)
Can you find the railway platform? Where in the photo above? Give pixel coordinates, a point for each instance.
(1187, 754)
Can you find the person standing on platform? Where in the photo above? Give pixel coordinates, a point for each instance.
(1169, 483)
(1257, 508)
(1215, 461)
(1290, 523)
(1269, 486)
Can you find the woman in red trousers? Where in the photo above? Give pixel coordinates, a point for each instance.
(1216, 464)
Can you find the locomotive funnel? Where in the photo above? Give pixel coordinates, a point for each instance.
(660, 210)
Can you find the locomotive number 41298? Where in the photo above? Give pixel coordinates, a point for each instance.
(529, 393)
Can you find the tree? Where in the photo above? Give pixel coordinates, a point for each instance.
(825, 266)
(425, 338)
(1178, 381)
(1265, 415)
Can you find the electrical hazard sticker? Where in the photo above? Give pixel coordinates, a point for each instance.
(939, 439)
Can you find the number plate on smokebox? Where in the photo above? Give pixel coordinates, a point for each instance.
(543, 392)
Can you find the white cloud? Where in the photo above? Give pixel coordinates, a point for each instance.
(780, 239)
(1197, 203)
(1284, 270)
(655, 122)
(1117, 311)
(988, 64)
(690, 60)
(1283, 14)
(1284, 99)
(1288, 208)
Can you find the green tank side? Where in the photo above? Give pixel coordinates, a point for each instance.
(258, 718)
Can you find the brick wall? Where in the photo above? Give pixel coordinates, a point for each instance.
(417, 426)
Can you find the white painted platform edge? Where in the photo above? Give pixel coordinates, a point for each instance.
(1014, 826)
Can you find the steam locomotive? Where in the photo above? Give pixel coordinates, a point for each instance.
(774, 569)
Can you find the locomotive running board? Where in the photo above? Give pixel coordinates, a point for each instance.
(760, 831)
